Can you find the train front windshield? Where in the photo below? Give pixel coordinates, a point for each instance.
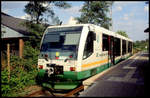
(62, 42)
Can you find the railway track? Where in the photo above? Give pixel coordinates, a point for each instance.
(48, 93)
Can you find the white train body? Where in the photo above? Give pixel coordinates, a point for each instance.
(90, 54)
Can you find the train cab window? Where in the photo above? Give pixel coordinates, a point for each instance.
(89, 46)
(105, 43)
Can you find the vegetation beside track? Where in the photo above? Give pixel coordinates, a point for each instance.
(142, 45)
(22, 74)
(23, 71)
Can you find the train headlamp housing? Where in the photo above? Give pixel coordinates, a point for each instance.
(40, 66)
(46, 55)
(70, 56)
(72, 68)
(56, 57)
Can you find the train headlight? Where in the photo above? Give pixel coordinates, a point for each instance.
(46, 55)
(57, 57)
(70, 56)
(72, 68)
(40, 66)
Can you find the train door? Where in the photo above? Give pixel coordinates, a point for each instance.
(111, 50)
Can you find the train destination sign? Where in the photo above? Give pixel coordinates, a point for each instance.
(65, 29)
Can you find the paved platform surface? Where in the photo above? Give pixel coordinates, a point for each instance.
(129, 78)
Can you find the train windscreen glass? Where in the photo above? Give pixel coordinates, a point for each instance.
(63, 41)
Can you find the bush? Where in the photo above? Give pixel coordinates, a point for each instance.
(5, 87)
(17, 82)
(23, 71)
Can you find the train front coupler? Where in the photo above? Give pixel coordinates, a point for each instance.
(50, 71)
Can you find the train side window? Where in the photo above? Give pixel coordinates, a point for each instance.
(105, 43)
(124, 47)
(88, 50)
(130, 47)
(117, 49)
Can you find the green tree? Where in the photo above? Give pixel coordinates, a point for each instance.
(36, 31)
(56, 20)
(95, 12)
(142, 45)
(37, 9)
(123, 33)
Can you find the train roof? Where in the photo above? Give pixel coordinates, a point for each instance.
(103, 30)
(108, 32)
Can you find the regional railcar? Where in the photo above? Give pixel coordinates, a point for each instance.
(71, 53)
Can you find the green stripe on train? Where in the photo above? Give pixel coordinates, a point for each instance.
(75, 76)
(85, 74)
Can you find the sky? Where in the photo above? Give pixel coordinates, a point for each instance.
(129, 16)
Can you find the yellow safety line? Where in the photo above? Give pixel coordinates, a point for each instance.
(94, 63)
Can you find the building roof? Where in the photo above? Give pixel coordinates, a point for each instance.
(146, 30)
(14, 23)
(10, 33)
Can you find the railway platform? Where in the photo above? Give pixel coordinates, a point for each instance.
(127, 78)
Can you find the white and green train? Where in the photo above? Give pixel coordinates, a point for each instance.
(71, 53)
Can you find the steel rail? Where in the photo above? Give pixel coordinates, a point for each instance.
(74, 91)
(69, 94)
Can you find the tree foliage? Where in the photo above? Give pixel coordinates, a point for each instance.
(36, 9)
(142, 45)
(36, 33)
(123, 33)
(95, 12)
(23, 73)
